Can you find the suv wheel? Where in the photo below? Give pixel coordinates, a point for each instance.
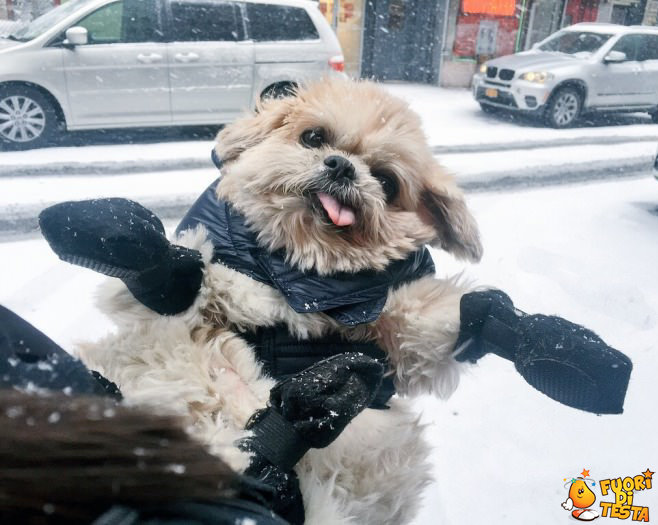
(27, 118)
(489, 109)
(563, 108)
(654, 116)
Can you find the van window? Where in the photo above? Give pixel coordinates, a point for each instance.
(199, 21)
(123, 22)
(279, 22)
(40, 25)
(104, 25)
(142, 21)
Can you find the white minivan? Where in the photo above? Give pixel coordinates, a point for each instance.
(91, 64)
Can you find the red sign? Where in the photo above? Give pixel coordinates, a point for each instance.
(490, 7)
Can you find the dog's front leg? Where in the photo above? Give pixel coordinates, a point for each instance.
(429, 325)
(418, 329)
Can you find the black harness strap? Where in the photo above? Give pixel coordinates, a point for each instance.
(283, 355)
(277, 440)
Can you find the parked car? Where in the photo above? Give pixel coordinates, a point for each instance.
(91, 64)
(583, 68)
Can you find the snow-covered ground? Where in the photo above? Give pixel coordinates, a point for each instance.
(43, 190)
(586, 252)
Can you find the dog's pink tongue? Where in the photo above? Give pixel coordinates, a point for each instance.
(340, 215)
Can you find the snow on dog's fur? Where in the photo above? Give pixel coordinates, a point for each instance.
(397, 199)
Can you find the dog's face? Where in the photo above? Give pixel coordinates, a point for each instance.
(341, 177)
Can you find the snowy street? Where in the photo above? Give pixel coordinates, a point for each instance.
(483, 151)
(569, 222)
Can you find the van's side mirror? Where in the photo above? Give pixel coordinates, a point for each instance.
(615, 57)
(76, 36)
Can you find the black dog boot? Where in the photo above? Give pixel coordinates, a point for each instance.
(121, 238)
(565, 361)
(306, 411)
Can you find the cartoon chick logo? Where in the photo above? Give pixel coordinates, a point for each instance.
(581, 497)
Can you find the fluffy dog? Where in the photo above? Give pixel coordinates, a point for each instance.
(340, 179)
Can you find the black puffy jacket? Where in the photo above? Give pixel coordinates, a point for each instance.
(349, 298)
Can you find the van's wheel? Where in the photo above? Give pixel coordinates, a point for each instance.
(654, 116)
(563, 108)
(285, 89)
(27, 118)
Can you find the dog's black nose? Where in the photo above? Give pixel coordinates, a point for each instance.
(339, 168)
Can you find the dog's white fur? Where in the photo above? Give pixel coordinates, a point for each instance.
(196, 364)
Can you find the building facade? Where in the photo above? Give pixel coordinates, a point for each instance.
(24, 9)
(436, 41)
(389, 39)
(443, 41)
(347, 18)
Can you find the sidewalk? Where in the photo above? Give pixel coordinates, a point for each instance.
(483, 152)
(183, 156)
(107, 159)
(170, 192)
(452, 120)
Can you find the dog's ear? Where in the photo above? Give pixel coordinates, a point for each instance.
(442, 205)
(248, 131)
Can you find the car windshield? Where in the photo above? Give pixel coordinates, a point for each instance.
(40, 25)
(578, 43)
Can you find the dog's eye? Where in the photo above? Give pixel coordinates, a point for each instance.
(389, 184)
(313, 138)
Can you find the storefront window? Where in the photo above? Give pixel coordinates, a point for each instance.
(349, 29)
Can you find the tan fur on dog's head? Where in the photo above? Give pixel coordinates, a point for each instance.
(279, 174)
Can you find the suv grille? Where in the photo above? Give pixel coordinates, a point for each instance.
(492, 72)
(506, 74)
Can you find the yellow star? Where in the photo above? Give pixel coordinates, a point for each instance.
(584, 473)
(648, 474)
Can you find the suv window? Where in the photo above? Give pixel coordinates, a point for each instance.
(629, 44)
(279, 22)
(648, 48)
(575, 42)
(204, 21)
(123, 22)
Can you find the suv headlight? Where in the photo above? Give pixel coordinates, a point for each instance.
(537, 76)
(483, 68)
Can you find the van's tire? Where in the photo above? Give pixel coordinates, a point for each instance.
(28, 119)
(654, 116)
(281, 90)
(563, 108)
